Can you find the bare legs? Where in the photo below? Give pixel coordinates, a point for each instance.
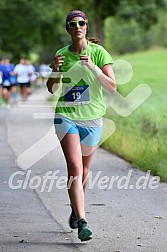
(87, 155)
(0, 91)
(25, 91)
(6, 94)
(78, 168)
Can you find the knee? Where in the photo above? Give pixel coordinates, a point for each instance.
(74, 170)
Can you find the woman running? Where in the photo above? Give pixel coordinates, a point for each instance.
(80, 72)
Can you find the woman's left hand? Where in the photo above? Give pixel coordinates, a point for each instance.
(86, 60)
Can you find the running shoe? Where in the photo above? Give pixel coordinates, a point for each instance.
(84, 233)
(5, 104)
(73, 220)
(1, 100)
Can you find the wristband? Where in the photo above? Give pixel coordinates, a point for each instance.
(57, 75)
(96, 71)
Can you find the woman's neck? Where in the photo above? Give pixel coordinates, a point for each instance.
(78, 46)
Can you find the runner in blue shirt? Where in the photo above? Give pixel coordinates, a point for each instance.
(6, 70)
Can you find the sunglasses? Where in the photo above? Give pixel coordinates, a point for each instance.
(72, 24)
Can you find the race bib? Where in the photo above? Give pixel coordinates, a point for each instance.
(77, 95)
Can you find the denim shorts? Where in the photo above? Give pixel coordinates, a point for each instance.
(89, 136)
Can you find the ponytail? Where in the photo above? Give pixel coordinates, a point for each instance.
(94, 40)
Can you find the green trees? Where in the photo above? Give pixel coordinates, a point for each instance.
(129, 36)
(143, 12)
(18, 30)
(39, 26)
(32, 25)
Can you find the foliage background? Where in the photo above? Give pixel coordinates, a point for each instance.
(38, 27)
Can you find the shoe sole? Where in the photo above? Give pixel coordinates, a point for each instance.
(85, 234)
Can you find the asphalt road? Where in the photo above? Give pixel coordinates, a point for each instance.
(126, 208)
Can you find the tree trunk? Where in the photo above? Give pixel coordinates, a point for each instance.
(98, 23)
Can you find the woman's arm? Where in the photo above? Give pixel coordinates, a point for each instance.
(53, 83)
(105, 74)
(107, 78)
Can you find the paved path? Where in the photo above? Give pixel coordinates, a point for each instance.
(33, 219)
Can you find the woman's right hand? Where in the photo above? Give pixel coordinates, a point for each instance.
(58, 61)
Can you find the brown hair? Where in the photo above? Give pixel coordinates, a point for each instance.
(94, 40)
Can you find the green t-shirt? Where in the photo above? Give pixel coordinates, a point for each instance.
(79, 80)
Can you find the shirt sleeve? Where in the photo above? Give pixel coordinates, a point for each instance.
(104, 57)
(16, 69)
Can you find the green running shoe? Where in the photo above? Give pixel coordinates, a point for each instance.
(84, 233)
(4, 103)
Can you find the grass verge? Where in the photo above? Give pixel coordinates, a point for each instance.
(141, 137)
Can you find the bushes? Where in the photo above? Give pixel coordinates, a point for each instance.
(124, 37)
(157, 35)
